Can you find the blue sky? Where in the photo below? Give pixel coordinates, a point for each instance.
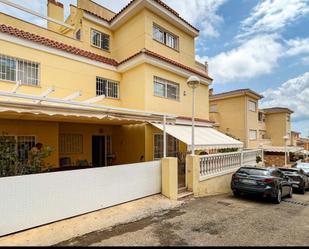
(257, 44)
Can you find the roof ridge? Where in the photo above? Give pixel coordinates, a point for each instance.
(132, 1)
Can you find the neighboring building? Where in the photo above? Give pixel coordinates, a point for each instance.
(237, 113)
(303, 142)
(126, 70)
(278, 125)
(295, 137)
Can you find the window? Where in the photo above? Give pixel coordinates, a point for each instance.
(78, 35)
(20, 144)
(252, 135)
(252, 106)
(71, 143)
(214, 108)
(166, 89)
(172, 146)
(288, 117)
(108, 88)
(18, 70)
(160, 35)
(100, 40)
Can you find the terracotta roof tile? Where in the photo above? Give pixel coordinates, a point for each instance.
(130, 3)
(55, 44)
(77, 51)
(155, 55)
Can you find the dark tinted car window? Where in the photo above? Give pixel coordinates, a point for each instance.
(256, 172)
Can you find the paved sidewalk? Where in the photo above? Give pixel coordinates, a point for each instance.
(64, 230)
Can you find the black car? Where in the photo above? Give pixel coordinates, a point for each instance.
(267, 182)
(299, 178)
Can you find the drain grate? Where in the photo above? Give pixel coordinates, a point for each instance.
(297, 203)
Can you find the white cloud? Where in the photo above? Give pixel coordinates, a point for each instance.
(297, 46)
(305, 60)
(293, 94)
(255, 57)
(201, 13)
(271, 16)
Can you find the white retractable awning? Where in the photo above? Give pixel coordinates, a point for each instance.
(290, 149)
(205, 137)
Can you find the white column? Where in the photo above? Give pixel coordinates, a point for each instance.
(164, 136)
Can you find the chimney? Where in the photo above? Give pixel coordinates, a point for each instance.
(211, 91)
(206, 67)
(55, 10)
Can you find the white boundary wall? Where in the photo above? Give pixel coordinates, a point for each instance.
(33, 200)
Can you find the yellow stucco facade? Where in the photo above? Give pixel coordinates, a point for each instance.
(68, 72)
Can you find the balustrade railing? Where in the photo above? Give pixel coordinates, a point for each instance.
(216, 164)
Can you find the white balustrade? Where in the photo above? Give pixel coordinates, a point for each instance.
(218, 164)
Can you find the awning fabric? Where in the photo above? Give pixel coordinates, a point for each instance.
(205, 137)
(290, 149)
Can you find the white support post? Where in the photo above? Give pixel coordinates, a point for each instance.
(94, 100)
(45, 94)
(16, 87)
(193, 122)
(73, 96)
(164, 136)
(241, 157)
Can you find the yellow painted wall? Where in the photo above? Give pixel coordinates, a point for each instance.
(186, 53)
(129, 143)
(181, 107)
(95, 8)
(45, 132)
(277, 128)
(56, 12)
(230, 116)
(129, 38)
(66, 75)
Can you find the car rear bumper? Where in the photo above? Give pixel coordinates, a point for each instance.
(266, 191)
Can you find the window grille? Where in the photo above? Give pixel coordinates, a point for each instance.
(18, 70)
(71, 143)
(108, 88)
(172, 146)
(253, 134)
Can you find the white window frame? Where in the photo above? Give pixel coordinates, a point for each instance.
(157, 80)
(169, 153)
(101, 34)
(34, 67)
(251, 105)
(250, 133)
(110, 87)
(166, 35)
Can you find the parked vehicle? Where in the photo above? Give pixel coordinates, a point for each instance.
(267, 182)
(298, 177)
(303, 166)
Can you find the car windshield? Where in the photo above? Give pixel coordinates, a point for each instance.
(293, 171)
(250, 171)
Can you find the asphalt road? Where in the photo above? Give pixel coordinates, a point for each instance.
(213, 221)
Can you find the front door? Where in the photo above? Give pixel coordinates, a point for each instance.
(98, 151)
(181, 169)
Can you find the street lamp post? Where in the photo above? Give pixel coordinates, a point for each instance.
(193, 82)
(286, 138)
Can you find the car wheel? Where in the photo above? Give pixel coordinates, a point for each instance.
(277, 199)
(290, 193)
(303, 190)
(236, 193)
